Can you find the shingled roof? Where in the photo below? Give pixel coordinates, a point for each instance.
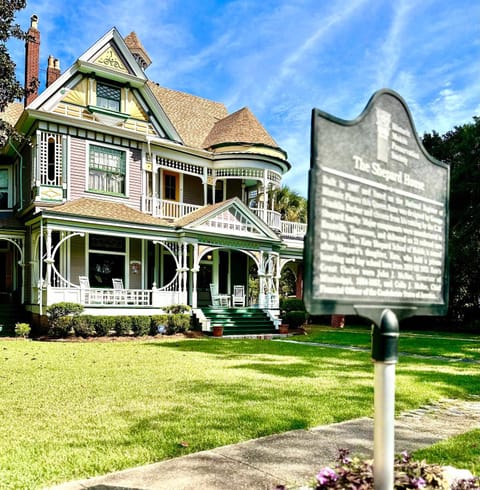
(192, 116)
(12, 113)
(95, 208)
(240, 127)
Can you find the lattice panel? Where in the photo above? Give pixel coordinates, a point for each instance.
(50, 158)
(189, 168)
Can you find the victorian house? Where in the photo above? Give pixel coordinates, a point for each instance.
(131, 196)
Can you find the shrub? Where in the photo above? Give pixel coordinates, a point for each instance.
(83, 326)
(292, 304)
(141, 325)
(179, 323)
(103, 325)
(177, 309)
(295, 318)
(157, 321)
(123, 325)
(58, 310)
(22, 329)
(60, 327)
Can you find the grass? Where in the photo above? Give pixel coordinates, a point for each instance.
(72, 410)
(451, 345)
(462, 451)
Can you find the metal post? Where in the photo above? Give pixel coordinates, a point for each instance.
(385, 356)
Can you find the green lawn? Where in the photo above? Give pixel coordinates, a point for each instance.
(72, 410)
(452, 345)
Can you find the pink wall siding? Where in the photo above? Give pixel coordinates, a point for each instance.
(78, 170)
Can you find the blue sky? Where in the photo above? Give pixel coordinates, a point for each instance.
(282, 58)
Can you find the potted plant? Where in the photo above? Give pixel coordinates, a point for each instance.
(217, 330)
(283, 328)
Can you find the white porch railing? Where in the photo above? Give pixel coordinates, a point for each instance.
(291, 229)
(162, 208)
(119, 297)
(272, 218)
(174, 210)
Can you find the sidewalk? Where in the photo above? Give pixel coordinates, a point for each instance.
(291, 458)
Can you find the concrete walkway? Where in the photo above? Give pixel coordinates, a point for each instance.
(292, 458)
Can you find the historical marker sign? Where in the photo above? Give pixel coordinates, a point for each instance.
(378, 214)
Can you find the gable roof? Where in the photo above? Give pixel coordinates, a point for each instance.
(193, 116)
(240, 127)
(231, 218)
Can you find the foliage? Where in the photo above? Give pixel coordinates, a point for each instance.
(292, 304)
(141, 325)
(61, 318)
(123, 325)
(460, 149)
(22, 329)
(11, 89)
(177, 309)
(295, 318)
(158, 321)
(83, 326)
(61, 327)
(288, 282)
(357, 474)
(178, 323)
(290, 204)
(103, 325)
(58, 310)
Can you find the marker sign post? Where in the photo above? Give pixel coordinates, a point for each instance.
(376, 244)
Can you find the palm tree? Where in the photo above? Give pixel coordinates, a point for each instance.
(290, 204)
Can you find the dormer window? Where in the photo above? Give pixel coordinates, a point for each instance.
(108, 97)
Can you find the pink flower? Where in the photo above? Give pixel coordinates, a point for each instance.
(326, 475)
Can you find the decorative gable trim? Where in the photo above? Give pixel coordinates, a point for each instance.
(232, 218)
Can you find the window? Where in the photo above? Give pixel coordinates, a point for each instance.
(108, 97)
(106, 260)
(4, 204)
(170, 187)
(106, 170)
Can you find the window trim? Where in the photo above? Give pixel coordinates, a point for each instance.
(101, 84)
(125, 153)
(177, 185)
(9, 187)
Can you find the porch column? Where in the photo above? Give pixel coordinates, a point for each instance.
(184, 273)
(49, 260)
(299, 282)
(195, 270)
(205, 186)
(265, 192)
(261, 281)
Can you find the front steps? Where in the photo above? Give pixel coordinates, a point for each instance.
(240, 321)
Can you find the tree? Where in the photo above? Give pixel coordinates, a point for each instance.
(10, 88)
(460, 148)
(291, 205)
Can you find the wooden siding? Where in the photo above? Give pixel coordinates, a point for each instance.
(77, 259)
(77, 168)
(77, 172)
(192, 190)
(135, 280)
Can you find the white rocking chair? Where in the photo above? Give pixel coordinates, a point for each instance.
(219, 299)
(118, 291)
(238, 296)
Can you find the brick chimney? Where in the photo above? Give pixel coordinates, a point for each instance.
(32, 58)
(53, 70)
